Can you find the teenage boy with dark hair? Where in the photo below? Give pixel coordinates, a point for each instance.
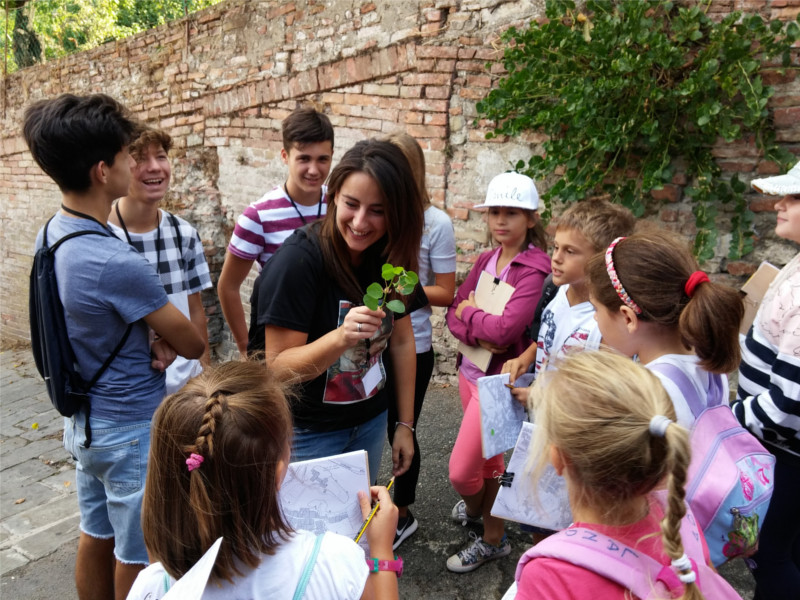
(168, 242)
(81, 142)
(265, 224)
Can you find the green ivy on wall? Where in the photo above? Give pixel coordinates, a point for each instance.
(627, 89)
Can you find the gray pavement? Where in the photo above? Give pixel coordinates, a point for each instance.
(39, 510)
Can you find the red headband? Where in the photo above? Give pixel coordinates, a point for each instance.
(694, 280)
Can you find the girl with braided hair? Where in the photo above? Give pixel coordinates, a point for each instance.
(653, 302)
(219, 452)
(615, 441)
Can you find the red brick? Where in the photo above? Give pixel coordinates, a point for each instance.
(670, 193)
(438, 92)
(786, 117)
(763, 203)
(740, 268)
(768, 167)
(432, 51)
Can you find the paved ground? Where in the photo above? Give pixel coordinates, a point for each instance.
(39, 513)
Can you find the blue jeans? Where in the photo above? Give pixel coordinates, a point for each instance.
(110, 479)
(369, 436)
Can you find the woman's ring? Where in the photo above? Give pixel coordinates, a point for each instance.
(359, 328)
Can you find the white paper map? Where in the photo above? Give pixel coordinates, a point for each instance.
(321, 494)
(517, 502)
(501, 415)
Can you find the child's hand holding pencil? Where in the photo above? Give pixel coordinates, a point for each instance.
(380, 521)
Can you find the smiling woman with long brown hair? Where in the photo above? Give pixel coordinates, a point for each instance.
(316, 331)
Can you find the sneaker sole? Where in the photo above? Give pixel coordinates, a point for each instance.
(454, 564)
(405, 534)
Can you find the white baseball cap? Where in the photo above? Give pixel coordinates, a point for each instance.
(780, 185)
(511, 190)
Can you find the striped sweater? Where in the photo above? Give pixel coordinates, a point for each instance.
(768, 398)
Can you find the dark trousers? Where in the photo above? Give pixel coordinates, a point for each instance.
(777, 562)
(405, 486)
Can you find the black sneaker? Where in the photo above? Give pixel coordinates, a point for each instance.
(405, 528)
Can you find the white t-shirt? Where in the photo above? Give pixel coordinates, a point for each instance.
(565, 328)
(437, 254)
(340, 572)
(690, 365)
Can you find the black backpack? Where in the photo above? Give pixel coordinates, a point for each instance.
(52, 351)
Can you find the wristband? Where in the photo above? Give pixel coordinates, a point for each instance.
(395, 565)
(409, 424)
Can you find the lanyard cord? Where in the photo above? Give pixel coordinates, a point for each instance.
(83, 216)
(158, 236)
(297, 210)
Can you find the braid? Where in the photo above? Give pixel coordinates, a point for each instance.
(678, 456)
(214, 407)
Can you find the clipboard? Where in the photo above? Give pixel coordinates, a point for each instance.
(754, 290)
(491, 296)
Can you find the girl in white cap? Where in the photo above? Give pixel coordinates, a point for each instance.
(768, 400)
(521, 261)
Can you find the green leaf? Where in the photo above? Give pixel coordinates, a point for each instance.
(375, 290)
(370, 302)
(387, 272)
(396, 306)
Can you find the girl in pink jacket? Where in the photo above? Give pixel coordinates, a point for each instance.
(521, 261)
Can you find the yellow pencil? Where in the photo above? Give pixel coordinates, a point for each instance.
(372, 512)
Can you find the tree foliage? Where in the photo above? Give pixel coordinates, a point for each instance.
(627, 90)
(40, 30)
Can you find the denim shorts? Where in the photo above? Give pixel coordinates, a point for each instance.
(369, 436)
(110, 480)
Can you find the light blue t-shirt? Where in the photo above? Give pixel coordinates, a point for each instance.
(104, 284)
(437, 254)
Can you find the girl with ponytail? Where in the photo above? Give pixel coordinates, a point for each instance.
(653, 302)
(608, 426)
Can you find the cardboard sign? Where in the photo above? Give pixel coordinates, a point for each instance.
(754, 290)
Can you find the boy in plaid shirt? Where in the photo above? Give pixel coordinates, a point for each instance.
(168, 242)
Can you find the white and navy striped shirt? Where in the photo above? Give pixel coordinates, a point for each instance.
(768, 398)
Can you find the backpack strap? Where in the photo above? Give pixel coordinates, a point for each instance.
(617, 562)
(306, 575)
(549, 290)
(177, 227)
(679, 378)
(52, 249)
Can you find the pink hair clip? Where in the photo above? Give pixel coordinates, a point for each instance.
(194, 461)
(612, 274)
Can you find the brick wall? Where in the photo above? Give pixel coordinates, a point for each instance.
(221, 82)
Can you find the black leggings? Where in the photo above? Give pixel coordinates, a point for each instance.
(777, 570)
(405, 486)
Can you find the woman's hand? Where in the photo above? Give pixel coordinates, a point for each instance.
(469, 301)
(521, 395)
(360, 323)
(402, 450)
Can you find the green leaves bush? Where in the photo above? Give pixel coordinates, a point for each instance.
(627, 90)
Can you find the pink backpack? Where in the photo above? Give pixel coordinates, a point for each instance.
(731, 476)
(644, 576)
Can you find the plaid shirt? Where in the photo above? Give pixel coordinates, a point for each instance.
(181, 270)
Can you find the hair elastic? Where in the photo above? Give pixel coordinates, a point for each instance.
(658, 427)
(683, 563)
(194, 461)
(694, 280)
(612, 274)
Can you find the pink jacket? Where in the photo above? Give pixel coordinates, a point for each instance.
(527, 274)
